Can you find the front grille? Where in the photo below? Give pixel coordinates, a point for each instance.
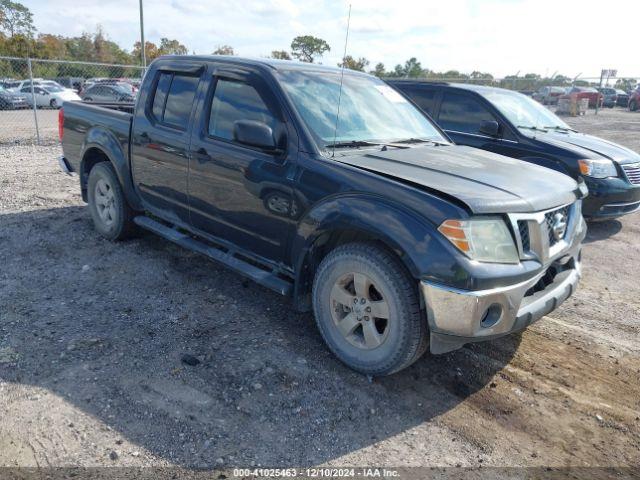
(523, 229)
(549, 220)
(632, 171)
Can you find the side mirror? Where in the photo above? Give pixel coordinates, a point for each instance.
(255, 134)
(490, 128)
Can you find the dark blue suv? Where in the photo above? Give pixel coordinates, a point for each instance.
(511, 124)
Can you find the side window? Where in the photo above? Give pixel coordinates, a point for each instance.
(462, 113)
(160, 96)
(232, 101)
(423, 97)
(173, 99)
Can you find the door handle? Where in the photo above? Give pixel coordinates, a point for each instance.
(144, 138)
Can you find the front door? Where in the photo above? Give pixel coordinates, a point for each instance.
(461, 114)
(239, 193)
(160, 144)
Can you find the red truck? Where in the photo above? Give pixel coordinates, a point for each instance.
(634, 99)
(592, 94)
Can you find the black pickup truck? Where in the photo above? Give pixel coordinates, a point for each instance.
(370, 217)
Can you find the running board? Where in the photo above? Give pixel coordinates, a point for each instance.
(258, 275)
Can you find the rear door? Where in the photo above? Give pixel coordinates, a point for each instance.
(160, 141)
(238, 193)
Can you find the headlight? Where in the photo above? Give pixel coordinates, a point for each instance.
(483, 239)
(601, 168)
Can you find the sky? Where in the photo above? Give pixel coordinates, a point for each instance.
(501, 37)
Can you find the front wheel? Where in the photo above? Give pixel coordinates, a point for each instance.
(367, 309)
(112, 216)
(54, 104)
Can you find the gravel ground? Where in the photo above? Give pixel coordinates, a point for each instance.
(93, 338)
(20, 126)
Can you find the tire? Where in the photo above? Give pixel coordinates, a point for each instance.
(633, 106)
(54, 104)
(112, 216)
(370, 345)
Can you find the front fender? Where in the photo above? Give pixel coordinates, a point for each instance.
(115, 148)
(414, 238)
(553, 164)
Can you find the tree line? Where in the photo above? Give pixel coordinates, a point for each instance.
(19, 38)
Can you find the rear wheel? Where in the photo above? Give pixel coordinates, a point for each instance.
(633, 105)
(367, 309)
(54, 104)
(112, 216)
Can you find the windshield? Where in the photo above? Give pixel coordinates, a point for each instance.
(370, 110)
(522, 111)
(123, 87)
(53, 88)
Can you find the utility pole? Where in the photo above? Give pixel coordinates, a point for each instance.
(144, 56)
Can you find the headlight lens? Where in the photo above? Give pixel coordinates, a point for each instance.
(600, 168)
(483, 239)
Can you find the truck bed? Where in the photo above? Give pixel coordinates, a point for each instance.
(86, 121)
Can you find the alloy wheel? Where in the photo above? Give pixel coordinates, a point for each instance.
(105, 202)
(359, 311)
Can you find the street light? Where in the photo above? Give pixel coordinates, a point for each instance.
(144, 57)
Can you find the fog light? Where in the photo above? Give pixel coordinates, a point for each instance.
(491, 316)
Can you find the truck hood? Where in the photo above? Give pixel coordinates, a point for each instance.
(485, 182)
(587, 146)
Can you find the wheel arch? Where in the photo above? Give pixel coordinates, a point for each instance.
(350, 219)
(100, 145)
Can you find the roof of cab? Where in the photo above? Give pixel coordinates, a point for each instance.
(439, 83)
(261, 62)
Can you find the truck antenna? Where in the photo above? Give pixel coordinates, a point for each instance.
(344, 55)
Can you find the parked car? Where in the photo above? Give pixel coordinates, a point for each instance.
(609, 96)
(10, 84)
(102, 92)
(622, 99)
(20, 84)
(47, 95)
(241, 160)
(595, 97)
(509, 123)
(634, 99)
(548, 95)
(73, 83)
(11, 100)
(7, 83)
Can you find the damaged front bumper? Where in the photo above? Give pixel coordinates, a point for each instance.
(457, 317)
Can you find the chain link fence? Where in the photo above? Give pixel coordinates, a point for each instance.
(30, 91)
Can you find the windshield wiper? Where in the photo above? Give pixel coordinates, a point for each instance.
(562, 129)
(352, 144)
(421, 140)
(361, 143)
(536, 129)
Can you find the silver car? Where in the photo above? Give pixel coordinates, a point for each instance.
(108, 93)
